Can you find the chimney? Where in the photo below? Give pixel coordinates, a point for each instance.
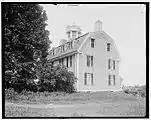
(98, 26)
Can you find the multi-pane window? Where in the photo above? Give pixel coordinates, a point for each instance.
(88, 78)
(111, 64)
(89, 60)
(111, 80)
(92, 43)
(108, 46)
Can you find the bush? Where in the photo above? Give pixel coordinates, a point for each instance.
(136, 90)
(10, 94)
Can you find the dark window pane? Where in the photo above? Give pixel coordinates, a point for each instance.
(92, 43)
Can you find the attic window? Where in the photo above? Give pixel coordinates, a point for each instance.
(108, 46)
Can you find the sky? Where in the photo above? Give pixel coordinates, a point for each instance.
(125, 24)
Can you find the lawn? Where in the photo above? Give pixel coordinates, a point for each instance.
(96, 104)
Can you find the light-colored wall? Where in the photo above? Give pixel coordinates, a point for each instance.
(100, 65)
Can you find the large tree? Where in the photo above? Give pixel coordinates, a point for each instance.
(25, 40)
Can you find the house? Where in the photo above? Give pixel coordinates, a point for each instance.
(92, 57)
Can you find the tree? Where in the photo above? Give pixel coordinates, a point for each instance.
(25, 41)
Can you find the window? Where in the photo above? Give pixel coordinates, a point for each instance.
(73, 34)
(111, 80)
(108, 46)
(89, 60)
(88, 78)
(70, 61)
(111, 64)
(92, 43)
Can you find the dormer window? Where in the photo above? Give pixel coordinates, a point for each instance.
(92, 43)
(70, 44)
(108, 46)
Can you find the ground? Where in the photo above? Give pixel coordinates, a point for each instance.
(96, 104)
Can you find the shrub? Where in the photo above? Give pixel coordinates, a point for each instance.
(10, 94)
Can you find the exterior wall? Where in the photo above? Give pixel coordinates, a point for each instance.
(100, 65)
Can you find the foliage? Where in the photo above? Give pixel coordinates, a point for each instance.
(24, 38)
(136, 90)
(54, 78)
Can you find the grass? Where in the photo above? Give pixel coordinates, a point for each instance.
(75, 105)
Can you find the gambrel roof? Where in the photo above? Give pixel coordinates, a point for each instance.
(69, 47)
(72, 46)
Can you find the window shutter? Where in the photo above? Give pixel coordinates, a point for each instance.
(85, 79)
(91, 60)
(114, 64)
(109, 81)
(92, 79)
(114, 79)
(67, 62)
(109, 64)
(70, 61)
(88, 61)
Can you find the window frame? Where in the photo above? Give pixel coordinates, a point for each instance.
(108, 47)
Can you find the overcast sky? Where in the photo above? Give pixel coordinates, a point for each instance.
(124, 23)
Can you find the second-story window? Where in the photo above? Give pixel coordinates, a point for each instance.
(108, 46)
(89, 60)
(92, 43)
